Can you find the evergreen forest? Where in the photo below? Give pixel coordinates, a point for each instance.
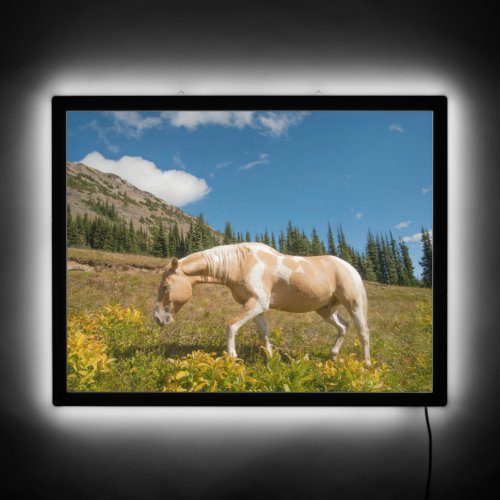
(384, 259)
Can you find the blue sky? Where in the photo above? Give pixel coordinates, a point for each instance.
(257, 170)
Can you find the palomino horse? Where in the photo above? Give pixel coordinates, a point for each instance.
(260, 278)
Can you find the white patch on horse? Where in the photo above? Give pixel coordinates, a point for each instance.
(283, 272)
(261, 247)
(299, 261)
(255, 280)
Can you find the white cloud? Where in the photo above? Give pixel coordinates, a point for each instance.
(277, 124)
(426, 190)
(395, 127)
(223, 164)
(415, 237)
(102, 135)
(263, 159)
(193, 119)
(133, 123)
(174, 186)
(403, 225)
(359, 215)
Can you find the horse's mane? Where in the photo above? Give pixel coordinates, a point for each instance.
(223, 259)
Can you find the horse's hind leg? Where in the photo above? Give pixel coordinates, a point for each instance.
(260, 321)
(364, 333)
(330, 314)
(342, 330)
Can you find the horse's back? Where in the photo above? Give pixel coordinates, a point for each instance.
(302, 284)
(294, 283)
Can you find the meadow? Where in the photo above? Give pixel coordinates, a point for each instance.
(114, 345)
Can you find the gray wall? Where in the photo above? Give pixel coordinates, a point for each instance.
(345, 47)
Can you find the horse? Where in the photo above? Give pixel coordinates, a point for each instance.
(261, 278)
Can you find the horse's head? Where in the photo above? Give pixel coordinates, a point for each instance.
(174, 291)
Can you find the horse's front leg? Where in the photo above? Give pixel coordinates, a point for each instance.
(251, 309)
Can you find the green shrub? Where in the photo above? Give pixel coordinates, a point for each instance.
(87, 352)
(202, 372)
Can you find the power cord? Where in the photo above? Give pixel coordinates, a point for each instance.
(429, 470)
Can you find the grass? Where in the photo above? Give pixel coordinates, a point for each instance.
(115, 260)
(189, 353)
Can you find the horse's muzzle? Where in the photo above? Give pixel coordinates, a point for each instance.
(163, 317)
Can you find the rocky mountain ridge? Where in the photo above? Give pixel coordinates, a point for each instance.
(89, 191)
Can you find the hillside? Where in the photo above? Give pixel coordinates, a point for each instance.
(88, 188)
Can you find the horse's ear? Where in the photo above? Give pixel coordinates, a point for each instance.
(174, 264)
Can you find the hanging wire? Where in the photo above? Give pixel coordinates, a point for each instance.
(429, 470)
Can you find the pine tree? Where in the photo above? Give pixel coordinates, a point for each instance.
(282, 243)
(359, 264)
(142, 241)
(199, 235)
(248, 237)
(370, 274)
(97, 234)
(316, 246)
(160, 243)
(408, 271)
(110, 236)
(273, 241)
(265, 238)
(124, 237)
(71, 231)
(208, 240)
(132, 238)
(372, 257)
(343, 248)
(294, 245)
(228, 234)
(85, 228)
(398, 260)
(382, 274)
(392, 274)
(426, 261)
(182, 249)
(304, 245)
(332, 249)
(173, 240)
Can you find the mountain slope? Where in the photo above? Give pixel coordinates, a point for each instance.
(89, 191)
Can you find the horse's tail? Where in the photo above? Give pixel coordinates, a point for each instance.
(362, 294)
(365, 300)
